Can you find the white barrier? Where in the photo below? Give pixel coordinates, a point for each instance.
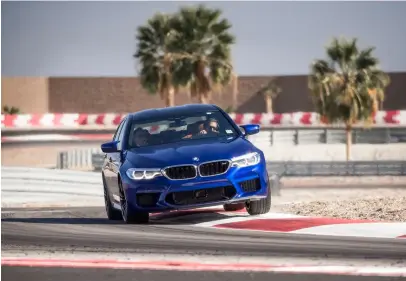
(77, 158)
(36, 187)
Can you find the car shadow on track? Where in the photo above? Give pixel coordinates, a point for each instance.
(186, 217)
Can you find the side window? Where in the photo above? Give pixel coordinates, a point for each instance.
(117, 133)
(122, 133)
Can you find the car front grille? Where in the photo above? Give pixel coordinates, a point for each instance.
(181, 172)
(214, 168)
(251, 185)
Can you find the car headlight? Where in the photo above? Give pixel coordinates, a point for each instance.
(245, 160)
(143, 174)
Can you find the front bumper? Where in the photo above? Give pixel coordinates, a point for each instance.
(161, 193)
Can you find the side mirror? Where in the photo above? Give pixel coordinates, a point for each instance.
(250, 129)
(110, 147)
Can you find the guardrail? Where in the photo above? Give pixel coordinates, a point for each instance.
(338, 168)
(318, 168)
(268, 136)
(283, 152)
(279, 169)
(298, 136)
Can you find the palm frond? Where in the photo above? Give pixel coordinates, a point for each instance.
(203, 39)
(155, 57)
(348, 86)
(365, 59)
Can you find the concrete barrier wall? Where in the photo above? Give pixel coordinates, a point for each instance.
(33, 187)
(79, 156)
(334, 152)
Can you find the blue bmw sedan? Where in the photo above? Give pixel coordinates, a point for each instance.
(182, 157)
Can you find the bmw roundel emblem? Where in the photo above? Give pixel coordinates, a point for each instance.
(195, 158)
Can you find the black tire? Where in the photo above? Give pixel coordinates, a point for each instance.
(234, 207)
(112, 213)
(259, 207)
(129, 215)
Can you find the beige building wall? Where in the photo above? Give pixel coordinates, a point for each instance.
(125, 94)
(29, 94)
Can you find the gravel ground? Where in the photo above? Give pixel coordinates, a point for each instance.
(370, 198)
(381, 209)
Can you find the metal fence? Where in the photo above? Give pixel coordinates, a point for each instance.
(298, 136)
(319, 168)
(77, 159)
(338, 168)
(268, 136)
(276, 170)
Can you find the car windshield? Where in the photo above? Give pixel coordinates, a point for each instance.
(198, 125)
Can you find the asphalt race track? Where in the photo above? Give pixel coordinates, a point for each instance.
(87, 229)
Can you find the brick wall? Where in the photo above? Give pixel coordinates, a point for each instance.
(124, 94)
(29, 94)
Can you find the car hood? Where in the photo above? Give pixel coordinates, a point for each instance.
(183, 152)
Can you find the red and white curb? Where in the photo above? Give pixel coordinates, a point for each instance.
(289, 223)
(195, 266)
(312, 225)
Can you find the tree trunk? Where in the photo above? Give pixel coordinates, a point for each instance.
(202, 82)
(169, 90)
(170, 97)
(349, 142)
(235, 92)
(202, 99)
(268, 102)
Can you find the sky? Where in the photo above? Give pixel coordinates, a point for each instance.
(273, 38)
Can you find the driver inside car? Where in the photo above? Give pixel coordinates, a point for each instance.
(212, 126)
(209, 127)
(140, 137)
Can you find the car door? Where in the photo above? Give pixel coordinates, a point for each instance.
(115, 159)
(108, 166)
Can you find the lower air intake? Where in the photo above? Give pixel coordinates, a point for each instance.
(200, 196)
(251, 185)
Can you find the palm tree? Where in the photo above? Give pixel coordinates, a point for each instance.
(270, 91)
(10, 110)
(203, 41)
(347, 87)
(156, 58)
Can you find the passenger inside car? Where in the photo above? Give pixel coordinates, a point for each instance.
(194, 129)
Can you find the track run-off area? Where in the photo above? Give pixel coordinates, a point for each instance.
(55, 221)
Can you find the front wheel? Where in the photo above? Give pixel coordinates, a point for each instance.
(259, 207)
(131, 216)
(112, 214)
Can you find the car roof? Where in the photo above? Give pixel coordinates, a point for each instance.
(173, 110)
